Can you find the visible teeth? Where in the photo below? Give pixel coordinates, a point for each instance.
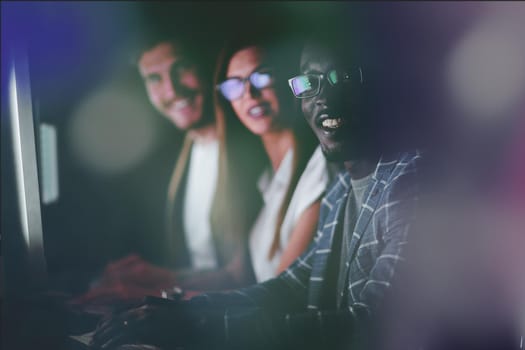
(332, 123)
(255, 111)
(182, 103)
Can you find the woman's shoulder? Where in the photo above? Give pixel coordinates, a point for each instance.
(315, 173)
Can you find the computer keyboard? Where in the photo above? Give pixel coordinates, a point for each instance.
(80, 341)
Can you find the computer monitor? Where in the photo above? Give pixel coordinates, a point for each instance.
(22, 236)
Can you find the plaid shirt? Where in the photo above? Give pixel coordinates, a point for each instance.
(304, 293)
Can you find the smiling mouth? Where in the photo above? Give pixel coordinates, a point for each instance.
(182, 103)
(258, 110)
(330, 123)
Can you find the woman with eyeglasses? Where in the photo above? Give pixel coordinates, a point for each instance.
(253, 94)
(261, 131)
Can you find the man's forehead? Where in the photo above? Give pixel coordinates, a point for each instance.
(316, 55)
(161, 54)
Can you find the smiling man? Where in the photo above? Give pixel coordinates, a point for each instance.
(177, 76)
(330, 89)
(327, 298)
(174, 85)
(178, 84)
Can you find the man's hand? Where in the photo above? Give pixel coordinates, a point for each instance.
(157, 321)
(135, 270)
(116, 294)
(125, 281)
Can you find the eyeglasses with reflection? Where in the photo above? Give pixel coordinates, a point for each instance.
(233, 88)
(309, 85)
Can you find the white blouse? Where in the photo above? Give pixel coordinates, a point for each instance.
(202, 181)
(310, 188)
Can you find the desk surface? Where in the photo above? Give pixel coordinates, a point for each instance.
(42, 324)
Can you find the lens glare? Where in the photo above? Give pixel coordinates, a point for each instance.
(260, 80)
(304, 85)
(333, 77)
(309, 85)
(232, 89)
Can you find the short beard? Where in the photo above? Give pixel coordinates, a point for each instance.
(347, 152)
(335, 154)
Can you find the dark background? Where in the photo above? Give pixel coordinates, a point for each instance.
(79, 51)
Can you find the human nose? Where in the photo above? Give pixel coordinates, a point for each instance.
(320, 98)
(252, 91)
(168, 88)
(326, 92)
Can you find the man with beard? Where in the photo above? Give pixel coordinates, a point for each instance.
(327, 298)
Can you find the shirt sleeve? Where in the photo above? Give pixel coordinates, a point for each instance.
(286, 292)
(249, 327)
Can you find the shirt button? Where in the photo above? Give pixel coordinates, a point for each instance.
(342, 293)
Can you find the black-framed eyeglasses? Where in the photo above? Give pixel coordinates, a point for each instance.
(309, 85)
(233, 88)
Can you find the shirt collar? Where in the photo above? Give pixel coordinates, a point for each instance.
(268, 184)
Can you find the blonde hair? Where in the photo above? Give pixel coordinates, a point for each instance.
(301, 155)
(303, 142)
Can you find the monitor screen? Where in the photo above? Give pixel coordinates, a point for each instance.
(85, 156)
(24, 251)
